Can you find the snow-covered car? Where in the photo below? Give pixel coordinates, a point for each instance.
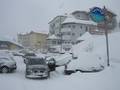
(16, 53)
(36, 68)
(29, 54)
(7, 62)
(61, 59)
(86, 62)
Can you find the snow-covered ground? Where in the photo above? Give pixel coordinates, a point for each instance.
(108, 79)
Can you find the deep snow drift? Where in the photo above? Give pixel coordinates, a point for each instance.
(108, 79)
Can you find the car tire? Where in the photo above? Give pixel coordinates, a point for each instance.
(11, 70)
(5, 69)
(68, 72)
(26, 73)
(48, 75)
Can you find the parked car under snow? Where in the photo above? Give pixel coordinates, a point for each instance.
(61, 59)
(7, 62)
(36, 68)
(27, 55)
(86, 62)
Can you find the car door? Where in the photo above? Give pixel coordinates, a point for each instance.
(1, 62)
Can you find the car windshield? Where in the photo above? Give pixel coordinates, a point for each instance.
(36, 61)
(30, 54)
(5, 59)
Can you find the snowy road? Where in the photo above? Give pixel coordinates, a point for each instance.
(105, 80)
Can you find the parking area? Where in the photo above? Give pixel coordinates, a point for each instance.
(17, 80)
(59, 81)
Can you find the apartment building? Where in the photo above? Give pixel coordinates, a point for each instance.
(65, 29)
(6, 43)
(33, 40)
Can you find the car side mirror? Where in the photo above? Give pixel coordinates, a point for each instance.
(74, 56)
(52, 64)
(26, 61)
(23, 56)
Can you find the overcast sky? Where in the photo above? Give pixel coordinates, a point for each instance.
(21, 16)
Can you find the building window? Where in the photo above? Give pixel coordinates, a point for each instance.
(119, 24)
(61, 26)
(52, 25)
(52, 31)
(73, 26)
(69, 26)
(53, 42)
(80, 34)
(81, 26)
(78, 15)
(68, 33)
(86, 28)
(59, 42)
(73, 34)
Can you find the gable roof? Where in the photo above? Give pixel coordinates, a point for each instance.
(9, 40)
(77, 11)
(56, 18)
(71, 19)
(53, 37)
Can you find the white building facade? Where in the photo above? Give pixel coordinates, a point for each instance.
(68, 28)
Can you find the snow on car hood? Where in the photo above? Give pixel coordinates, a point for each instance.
(63, 59)
(37, 66)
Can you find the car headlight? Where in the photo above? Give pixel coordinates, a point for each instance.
(46, 71)
(29, 71)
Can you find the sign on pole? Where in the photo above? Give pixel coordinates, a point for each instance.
(98, 15)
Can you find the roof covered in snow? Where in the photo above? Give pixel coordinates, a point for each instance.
(71, 19)
(78, 11)
(9, 40)
(53, 37)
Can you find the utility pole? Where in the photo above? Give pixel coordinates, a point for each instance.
(99, 15)
(60, 35)
(106, 21)
(107, 43)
